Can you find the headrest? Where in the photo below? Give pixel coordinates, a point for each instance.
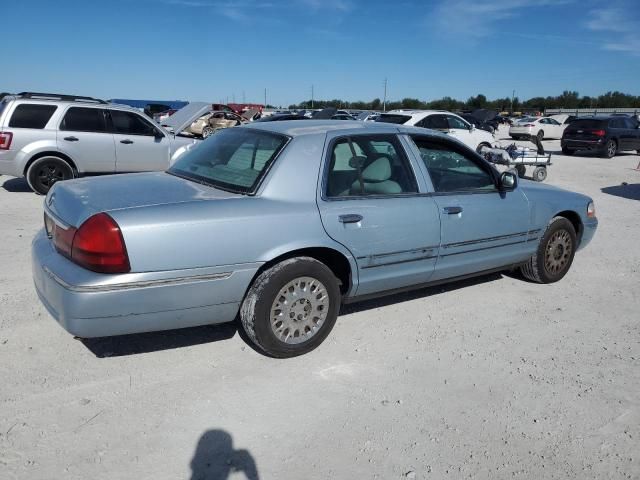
(377, 171)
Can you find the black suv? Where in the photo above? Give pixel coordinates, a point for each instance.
(605, 134)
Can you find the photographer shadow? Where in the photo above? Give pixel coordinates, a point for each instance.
(216, 459)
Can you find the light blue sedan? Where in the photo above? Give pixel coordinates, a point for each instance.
(278, 223)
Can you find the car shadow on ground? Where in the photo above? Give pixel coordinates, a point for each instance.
(123, 345)
(216, 459)
(17, 185)
(629, 191)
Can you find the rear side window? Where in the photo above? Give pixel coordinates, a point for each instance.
(30, 115)
(79, 119)
(368, 165)
(585, 124)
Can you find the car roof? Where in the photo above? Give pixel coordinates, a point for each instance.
(76, 103)
(295, 128)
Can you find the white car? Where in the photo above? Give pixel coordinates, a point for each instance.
(541, 127)
(443, 121)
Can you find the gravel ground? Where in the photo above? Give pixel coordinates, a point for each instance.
(488, 378)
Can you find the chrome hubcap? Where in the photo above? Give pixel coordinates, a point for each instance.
(612, 148)
(558, 252)
(299, 310)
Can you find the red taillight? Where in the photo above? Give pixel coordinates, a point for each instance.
(5, 140)
(598, 133)
(98, 245)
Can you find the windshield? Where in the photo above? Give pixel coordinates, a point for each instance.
(391, 118)
(233, 159)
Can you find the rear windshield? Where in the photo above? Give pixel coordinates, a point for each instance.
(3, 105)
(233, 159)
(527, 120)
(585, 123)
(391, 118)
(31, 115)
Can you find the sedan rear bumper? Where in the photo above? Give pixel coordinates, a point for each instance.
(94, 308)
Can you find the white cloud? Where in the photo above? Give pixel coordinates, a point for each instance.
(476, 19)
(621, 30)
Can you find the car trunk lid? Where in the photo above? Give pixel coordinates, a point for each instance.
(74, 201)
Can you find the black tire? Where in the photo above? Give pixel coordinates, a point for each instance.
(45, 171)
(515, 137)
(610, 149)
(540, 135)
(567, 151)
(255, 312)
(539, 174)
(521, 170)
(483, 144)
(537, 269)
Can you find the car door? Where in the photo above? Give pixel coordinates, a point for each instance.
(631, 134)
(634, 126)
(555, 128)
(140, 146)
(461, 130)
(84, 137)
(371, 201)
(482, 228)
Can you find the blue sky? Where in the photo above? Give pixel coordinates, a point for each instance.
(213, 50)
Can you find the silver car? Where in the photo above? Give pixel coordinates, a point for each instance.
(282, 222)
(47, 138)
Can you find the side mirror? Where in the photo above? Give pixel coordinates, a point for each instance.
(473, 127)
(157, 134)
(508, 181)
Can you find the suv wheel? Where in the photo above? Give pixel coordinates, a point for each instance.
(555, 253)
(291, 307)
(610, 149)
(45, 171)
(567, 151)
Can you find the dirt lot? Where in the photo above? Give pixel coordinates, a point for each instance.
(490, 378)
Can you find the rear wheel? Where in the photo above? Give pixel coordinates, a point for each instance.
(610, 149)
(554, 255)
(44, 172)
(567, 151)
(291, 307)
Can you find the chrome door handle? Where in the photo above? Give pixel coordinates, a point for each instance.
(452, 210)
(71, 139)
(350, 218)
(126, 142)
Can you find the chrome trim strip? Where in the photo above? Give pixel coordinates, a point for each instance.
(484, 248)
(141, 284)
(408, 260)
(484, 240)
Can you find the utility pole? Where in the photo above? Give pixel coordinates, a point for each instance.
(265, 97)
(233, 96)
(311, 96)
(513, 94)
(384, 101)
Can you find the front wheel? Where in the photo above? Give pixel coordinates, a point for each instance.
(291, 307)
(45, 171)
(554, 255)
(481, 146)
(540, 174)
(207, 132)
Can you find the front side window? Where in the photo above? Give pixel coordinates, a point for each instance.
(450, 170)
(365, 165)
(129, 123)
(80, 119)
(455, 122)
(31, 115)
(233, 159)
